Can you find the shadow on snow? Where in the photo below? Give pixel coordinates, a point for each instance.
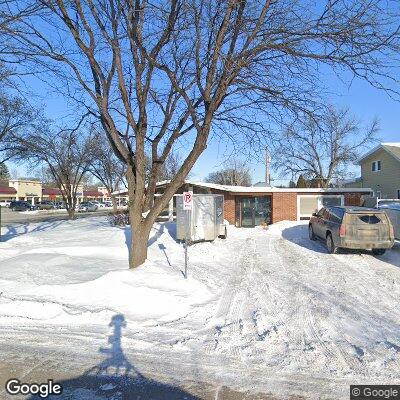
(116, 377)
(19, 229)
(159, 230)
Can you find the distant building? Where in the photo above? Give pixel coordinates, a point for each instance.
(34, 191)
(28, 190)
(7, 192)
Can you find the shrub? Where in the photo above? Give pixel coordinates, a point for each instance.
(119, 218)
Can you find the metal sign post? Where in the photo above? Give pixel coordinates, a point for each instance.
(186, 242)
(187, 206)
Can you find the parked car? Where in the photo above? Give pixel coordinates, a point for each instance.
(87, 206)
(99, 204)
(59, 205)
(108, 203)
(352, 228)
(5, 203)
(392, 210)
(17, 205)
(45, 205)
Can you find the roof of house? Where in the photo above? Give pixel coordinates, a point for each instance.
(262, 189)
(392, 148)
(7, 190)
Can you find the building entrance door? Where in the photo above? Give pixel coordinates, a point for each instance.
(255, 211)
(247, 204)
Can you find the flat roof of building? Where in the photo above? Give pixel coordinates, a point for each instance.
(261, 189)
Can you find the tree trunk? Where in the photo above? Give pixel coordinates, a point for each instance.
(140, 232)
(140, 226)
(71, 213)
(138, 254)
(114, 203)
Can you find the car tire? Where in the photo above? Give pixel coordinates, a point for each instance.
(311, 233)
(378, 252)
(330, 244)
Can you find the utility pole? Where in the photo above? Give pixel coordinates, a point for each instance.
(267, 167)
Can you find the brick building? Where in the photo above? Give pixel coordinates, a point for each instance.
(257, 205)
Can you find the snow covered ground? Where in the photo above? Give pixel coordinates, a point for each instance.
(264, 311)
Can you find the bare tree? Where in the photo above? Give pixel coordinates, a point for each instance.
(322, 150)
(15, 117)
(106, 166)
(15, 113)
(236, 173)
(171, 166)
(167, 72)
(65, 153)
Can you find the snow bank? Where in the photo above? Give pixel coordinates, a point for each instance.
(142, 296)
(42, 279)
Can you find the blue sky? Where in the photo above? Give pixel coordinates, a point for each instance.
(364, 101)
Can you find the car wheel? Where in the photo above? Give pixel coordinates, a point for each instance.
(330, 245)
(378, 252)
(311, 234)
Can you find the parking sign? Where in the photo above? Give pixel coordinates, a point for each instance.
(187, 201)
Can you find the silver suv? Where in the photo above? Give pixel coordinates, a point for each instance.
(352, 228)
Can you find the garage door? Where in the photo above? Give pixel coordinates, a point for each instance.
(308, 204)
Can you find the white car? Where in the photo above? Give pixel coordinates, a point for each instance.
(99, 204)
(5, 203)
(87, 206)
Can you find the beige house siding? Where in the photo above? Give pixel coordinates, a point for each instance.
(387, 180)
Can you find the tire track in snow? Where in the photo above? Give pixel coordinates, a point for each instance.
(309, 321)
(296, 332)
(345, 350)
(227, 335)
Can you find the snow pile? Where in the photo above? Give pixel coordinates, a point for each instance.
(141, 296)
(42, 278)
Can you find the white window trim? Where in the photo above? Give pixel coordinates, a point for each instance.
(376, 163)
(319, 204)
(378, 194)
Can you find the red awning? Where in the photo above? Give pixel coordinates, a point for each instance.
(7, 190)
(51, 192)
(92, 193)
